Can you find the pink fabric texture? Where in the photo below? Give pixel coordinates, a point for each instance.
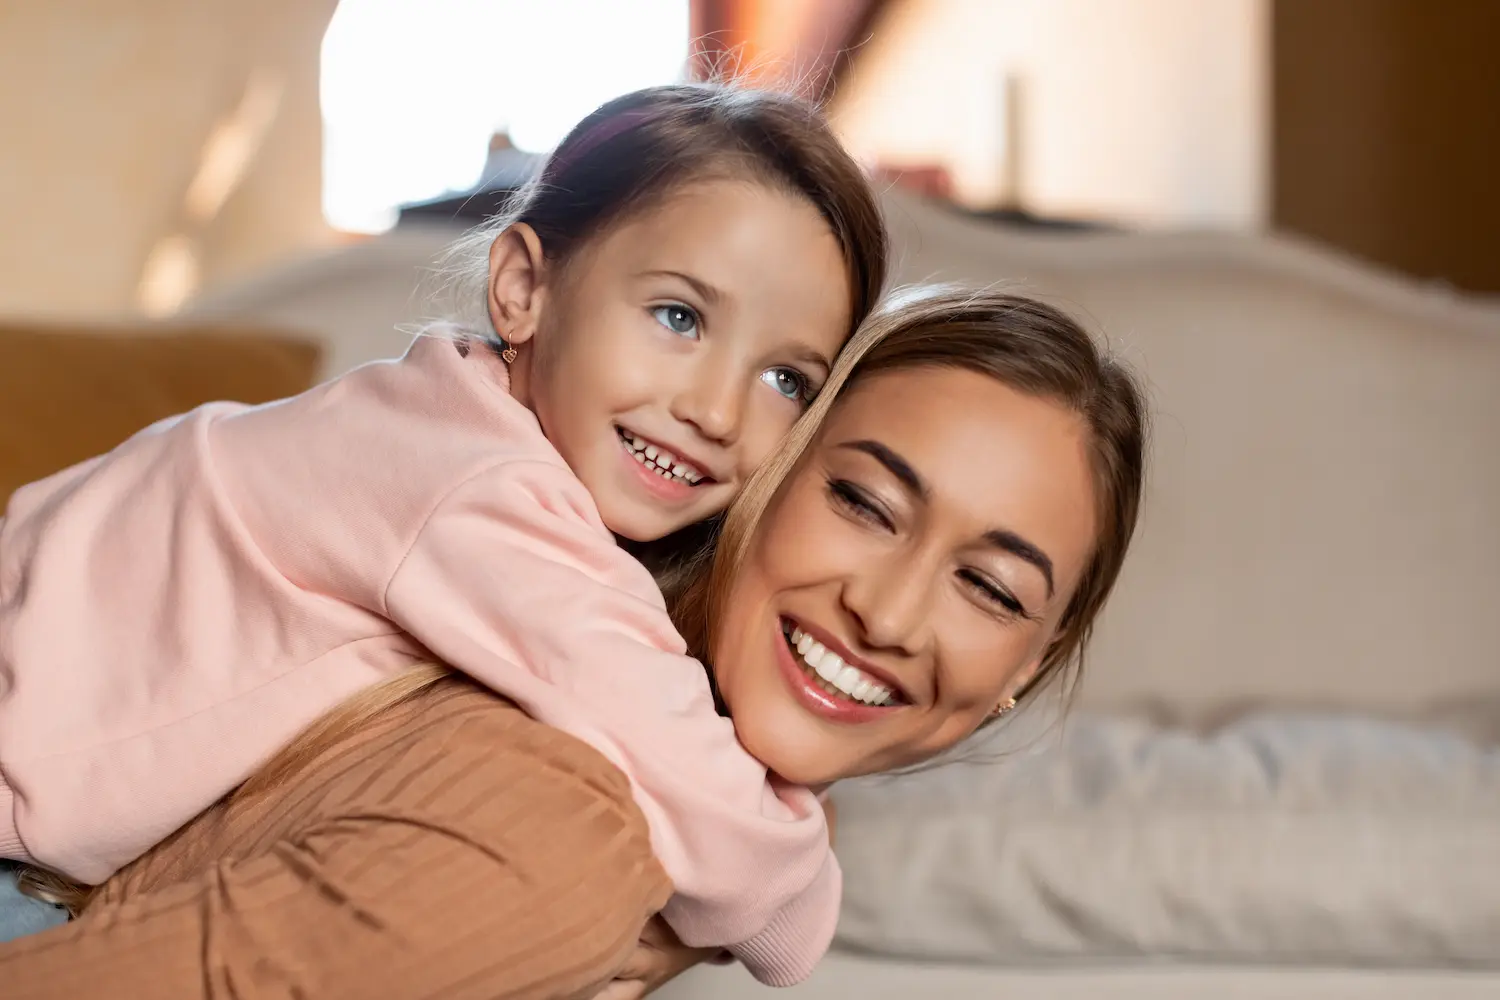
(176, 611)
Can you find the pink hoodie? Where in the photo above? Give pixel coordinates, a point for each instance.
(175, 612)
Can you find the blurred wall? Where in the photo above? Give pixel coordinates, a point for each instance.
(114, 110)
(1387, 132)
(1149, 111)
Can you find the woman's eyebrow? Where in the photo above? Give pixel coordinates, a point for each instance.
(894, 463)
(1019, 547)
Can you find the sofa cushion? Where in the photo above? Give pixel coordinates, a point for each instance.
(1279, 838)
(69, 393)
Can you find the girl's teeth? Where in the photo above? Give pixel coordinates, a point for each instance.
(830, 667)
(804, 642)
(663, 463)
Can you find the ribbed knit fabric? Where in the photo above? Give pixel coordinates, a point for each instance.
(454, 849)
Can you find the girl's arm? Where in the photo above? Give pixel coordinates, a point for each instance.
(514, 581)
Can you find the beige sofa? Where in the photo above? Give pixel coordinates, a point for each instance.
(1284, 779)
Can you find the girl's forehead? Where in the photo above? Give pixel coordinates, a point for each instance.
(744, 249)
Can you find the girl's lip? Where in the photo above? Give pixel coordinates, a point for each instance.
(701, 468)
(814, 698)
(671, 490)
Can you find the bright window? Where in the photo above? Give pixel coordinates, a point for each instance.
(412, 90)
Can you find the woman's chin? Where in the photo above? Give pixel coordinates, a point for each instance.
(793, 750)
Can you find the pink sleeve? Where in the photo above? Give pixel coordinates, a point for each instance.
(515, 581)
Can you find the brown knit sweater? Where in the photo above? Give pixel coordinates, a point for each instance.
(453, 849)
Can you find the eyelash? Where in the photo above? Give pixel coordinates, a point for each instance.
(854, 500)
(857, 502)
(994, 593)
(671, 307)
(805, 391)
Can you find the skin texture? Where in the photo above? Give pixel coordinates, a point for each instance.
(702, 325)
(929, 587)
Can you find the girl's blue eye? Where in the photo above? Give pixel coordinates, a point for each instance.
(678, 318)
(788, 382)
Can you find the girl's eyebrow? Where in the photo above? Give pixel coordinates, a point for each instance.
(813, 356)
(707, 292)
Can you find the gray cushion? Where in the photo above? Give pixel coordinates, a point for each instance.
(1282, 838)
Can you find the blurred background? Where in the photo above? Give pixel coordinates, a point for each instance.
(1281, 778)
(157, 148)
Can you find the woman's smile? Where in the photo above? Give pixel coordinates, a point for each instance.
(827, 684)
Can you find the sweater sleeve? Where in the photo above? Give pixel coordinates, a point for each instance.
(470, 861)
(514, 581)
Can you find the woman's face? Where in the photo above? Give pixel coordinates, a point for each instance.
(908, 577)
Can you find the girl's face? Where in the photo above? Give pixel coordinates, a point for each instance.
(673, 353)
(908, 577)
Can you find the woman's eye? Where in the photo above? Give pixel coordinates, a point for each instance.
(856, 503)
(993, 592)
(678, 318)
(788, 382)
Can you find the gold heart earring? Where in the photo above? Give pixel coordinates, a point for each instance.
(1002, 708)
(508, 355)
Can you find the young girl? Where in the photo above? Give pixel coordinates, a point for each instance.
(657, 310)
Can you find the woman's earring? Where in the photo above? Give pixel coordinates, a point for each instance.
(508, 355)
(1002, 708)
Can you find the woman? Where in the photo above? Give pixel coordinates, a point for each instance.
(931, 546)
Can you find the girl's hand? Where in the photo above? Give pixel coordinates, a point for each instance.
(659, 957)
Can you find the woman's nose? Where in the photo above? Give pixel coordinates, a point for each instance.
(890, 604)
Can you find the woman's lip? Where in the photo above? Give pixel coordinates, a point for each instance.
(815, 699)
(844, 653)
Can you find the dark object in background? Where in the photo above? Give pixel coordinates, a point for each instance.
(505, 171)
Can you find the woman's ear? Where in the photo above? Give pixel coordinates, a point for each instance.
(517, 288)
(1020, 681)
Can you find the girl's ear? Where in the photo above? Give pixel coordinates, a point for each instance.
(517, 287)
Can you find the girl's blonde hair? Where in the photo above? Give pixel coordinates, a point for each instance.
(1018, 341)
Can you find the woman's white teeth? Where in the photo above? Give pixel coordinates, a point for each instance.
(660, 461)
(836, 675)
